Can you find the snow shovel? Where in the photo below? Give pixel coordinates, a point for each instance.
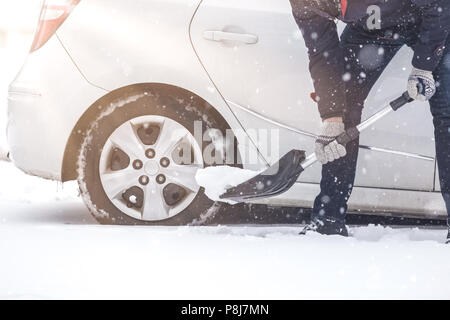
(282, 175)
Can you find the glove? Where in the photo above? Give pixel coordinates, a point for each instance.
(327, 148)
(421, 85)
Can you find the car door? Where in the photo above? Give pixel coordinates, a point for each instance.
(255, 54)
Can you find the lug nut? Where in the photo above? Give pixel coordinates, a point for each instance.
(161, 179)
(144, 180)
(150, 153)
(165, 162)
(137, 164)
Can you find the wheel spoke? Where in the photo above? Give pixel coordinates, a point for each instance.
(155, 207)
(126, 139)
(184, 176)
(170, 136)
(116, 182)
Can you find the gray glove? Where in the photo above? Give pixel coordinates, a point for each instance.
(327, 148)
(421, 85)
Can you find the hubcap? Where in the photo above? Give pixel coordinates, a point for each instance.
(151, 168)
(141, 171)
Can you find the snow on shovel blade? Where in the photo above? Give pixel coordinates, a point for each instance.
(277, 179)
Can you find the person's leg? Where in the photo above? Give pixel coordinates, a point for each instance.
(440, 108)
(367, 55)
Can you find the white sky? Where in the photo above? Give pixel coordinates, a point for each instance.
(19, 15)
(18, 21)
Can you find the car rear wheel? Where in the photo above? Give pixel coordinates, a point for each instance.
(139, 159)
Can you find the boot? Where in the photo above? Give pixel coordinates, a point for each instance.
(326, 227)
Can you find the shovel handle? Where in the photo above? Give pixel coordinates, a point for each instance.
(354, 132)
(402, 101)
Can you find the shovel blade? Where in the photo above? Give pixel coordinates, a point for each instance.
(275, 180)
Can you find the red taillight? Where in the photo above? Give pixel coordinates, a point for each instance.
(53, 14)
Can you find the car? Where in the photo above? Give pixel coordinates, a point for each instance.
(132, 99)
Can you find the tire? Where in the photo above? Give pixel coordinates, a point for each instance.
(104, 168)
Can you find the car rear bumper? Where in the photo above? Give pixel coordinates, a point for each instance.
(45, 101)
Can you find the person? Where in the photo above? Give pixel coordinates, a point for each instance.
(345, 69)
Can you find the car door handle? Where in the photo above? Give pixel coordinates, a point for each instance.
(230, 36)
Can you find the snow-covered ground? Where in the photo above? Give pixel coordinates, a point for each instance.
(50, 247)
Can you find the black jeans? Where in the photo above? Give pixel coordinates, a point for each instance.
(338, 177)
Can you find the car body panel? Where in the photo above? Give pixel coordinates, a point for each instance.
(45, 101)
(145, 43)
(388, 202)
(105, 45)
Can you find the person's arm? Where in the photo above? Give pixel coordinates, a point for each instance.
(434, 31)
(327, 70)
(430, 47)
(326, 60)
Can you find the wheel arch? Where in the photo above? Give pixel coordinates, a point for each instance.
(73, 145)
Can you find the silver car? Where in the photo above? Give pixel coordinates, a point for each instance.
(132, 98)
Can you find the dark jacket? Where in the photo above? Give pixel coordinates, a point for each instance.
(316, 21)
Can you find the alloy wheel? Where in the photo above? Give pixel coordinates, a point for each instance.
(148, 166)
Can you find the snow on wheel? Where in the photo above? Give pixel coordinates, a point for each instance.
(139, 159)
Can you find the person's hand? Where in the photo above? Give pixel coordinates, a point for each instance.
(327, 148)
(421, 85)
